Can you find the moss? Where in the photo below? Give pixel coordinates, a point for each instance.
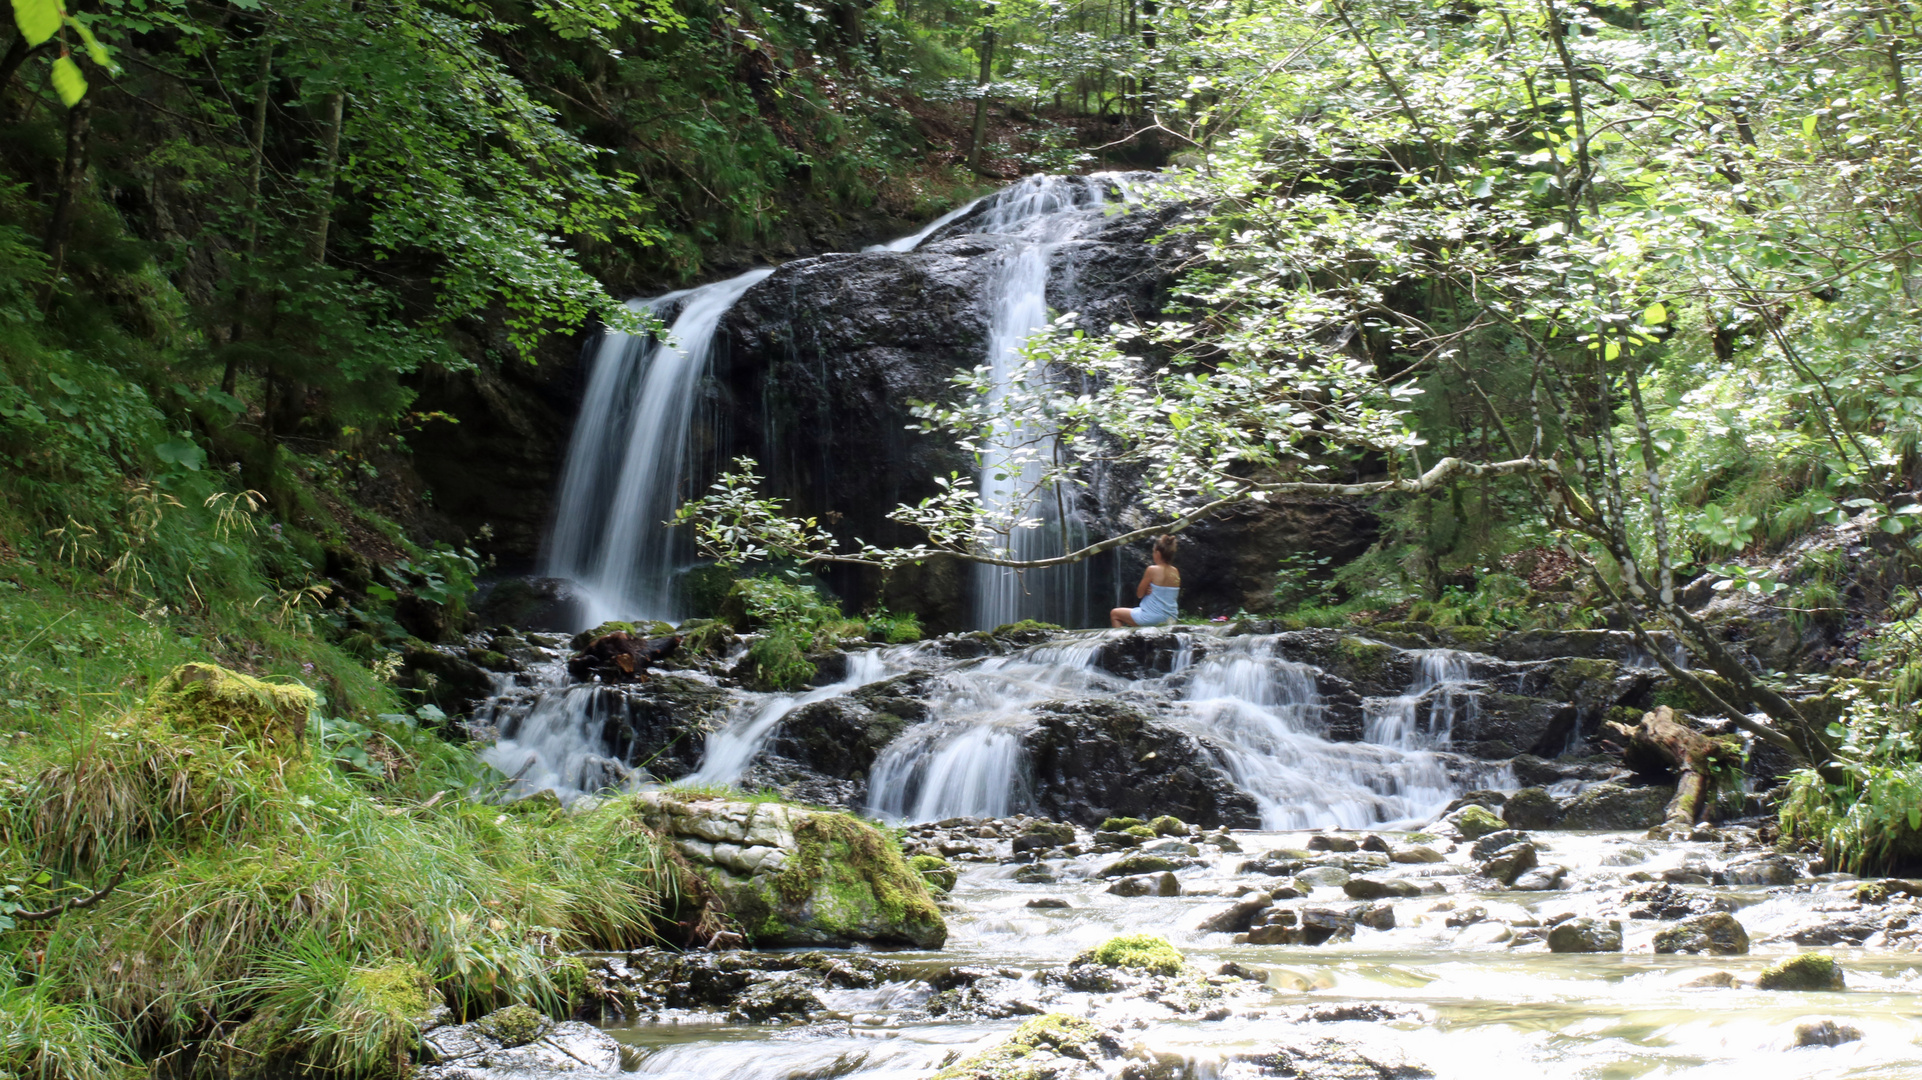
(1476, 821)
(1169, 825)
(1130, 865)
(1805, 971)
(1137, 952)
(570, 977)
(1120, 824)
(935, 871)
(1059, 1033)
(399, 989)
(851, 875)
(516, 1025)
(1365, 659)
(1142, 831)
(240, 710)
(1025, 628)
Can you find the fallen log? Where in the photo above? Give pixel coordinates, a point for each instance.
(1662, 740)
(621, 657)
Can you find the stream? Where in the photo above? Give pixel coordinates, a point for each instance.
(1483, 1006)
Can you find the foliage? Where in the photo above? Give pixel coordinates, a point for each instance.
(1866, 812)
(1301, 580)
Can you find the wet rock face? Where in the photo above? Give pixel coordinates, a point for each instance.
(517, 1042)
(839, 737)
(816, 366)
(1613, 806)
(661, 725)
(1099, 758)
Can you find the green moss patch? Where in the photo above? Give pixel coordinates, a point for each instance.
(850, 876)
(1805, 971)
(1137, 952)
(1059, 1033)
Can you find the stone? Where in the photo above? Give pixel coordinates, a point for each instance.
(1540, 879)
(1803, 971)
(1034, 874)
(1171, 847)
(1238, 917)
(1377, 917)
(1585, 935)
(1129, 865)
(1717, 933)
(1095, 758)
(465, 1052)
(841, 736)
(1319, 925)
(1047, 903)
(798, 877)
(1147, 885)
(1327, 842)
(1323, 876)
(1613, 806)
(1532, 808)
(1825, 1032)
(1336, 1057)
(1242, 971)
(661, 724)
(1493, 842)
(776, 1000)
(1474, 821)
(1373, 888)
(935, 871)
(1041, 835)
(1761, 870)
(1417, 854)
(1508, 864)
(1714, 980)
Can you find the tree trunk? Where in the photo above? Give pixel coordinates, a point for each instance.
(1660, 740)
(981, 101)
(72, 172)
(17, 54)
(230, 377)
(329, 168)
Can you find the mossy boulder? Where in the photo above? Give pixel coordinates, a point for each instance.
(1130, 865)
(1169, 825)
(1141, 831)
(791, 876)
(1035, 1051)
(1614, 806)
(1120, 824)
(1804, 971)
(516, 1025)
(1150, 953)
(1476, 821)
(935, 871)
(237, 710)
(1532, 808)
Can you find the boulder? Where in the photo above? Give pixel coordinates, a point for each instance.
(1825, 1032)
(1532, 808)
(515, 1043)
(449, 682)
(1803, 971)
(1717, 933)
(790, 876)
(841, 736)
(1096, 758)
(1042, 835)
(1540, 879)
(1373, 888)
(1613, 806)
(1474, 821)
(1238, 917)
(1763, 869)
(660, 725)
(1585, 935)
(1509, 863)
(1142, 654)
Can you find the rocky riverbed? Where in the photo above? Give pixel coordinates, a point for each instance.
(1437, 953)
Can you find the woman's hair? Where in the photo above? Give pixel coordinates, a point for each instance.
(1165, 547)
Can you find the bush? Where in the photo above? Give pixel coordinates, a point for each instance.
(777, 660)
(1870, 821)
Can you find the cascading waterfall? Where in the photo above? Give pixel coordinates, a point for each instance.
(1037, 216)
(732, 749)
(1264, 716)
(967, 759)
(1443, 677)
(626, 463)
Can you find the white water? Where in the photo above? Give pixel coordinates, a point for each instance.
(1036, 217)
(731, 750)
(627, 460)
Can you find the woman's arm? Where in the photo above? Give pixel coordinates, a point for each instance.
(1147, 579)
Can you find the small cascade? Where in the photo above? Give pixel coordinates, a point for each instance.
(1445, 680)
(626, 464)
(1264, 717)
(1036, 216)
(553, 736)
(732, 749)
(966, 760)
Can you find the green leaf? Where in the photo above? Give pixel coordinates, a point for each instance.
(182, 452)
(95, 51)
(1915, 819)
(1656, 315)
(68, 82)
(1808, 126)
(38, 20)
(1835, 731)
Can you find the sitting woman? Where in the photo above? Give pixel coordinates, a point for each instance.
(1157, 591)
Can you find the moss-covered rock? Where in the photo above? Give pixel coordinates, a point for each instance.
(1034, 1051)
(791, 876)
(1169, 825)
(516, 1025)
(1476, 821)
(1130, 865)
(1120, 824)
(1141, 831)
(238, 710)
(1804, 971)
(935, 871)
(1136, 952)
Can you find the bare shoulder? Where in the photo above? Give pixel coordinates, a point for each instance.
(1164, 575)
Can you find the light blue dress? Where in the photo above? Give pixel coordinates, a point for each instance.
(1157, 608)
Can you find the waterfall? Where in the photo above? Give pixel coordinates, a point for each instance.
(1444, 678)
(732, 749)
(626, 463)
(1036, 216)
(1264, 716)
(967, 760)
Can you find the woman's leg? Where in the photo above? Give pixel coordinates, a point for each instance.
(1121, 616)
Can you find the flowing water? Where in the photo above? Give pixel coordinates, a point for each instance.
(627, 463)
(1480, 1006)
